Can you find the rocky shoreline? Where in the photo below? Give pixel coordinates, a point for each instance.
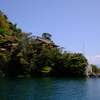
(92, 75)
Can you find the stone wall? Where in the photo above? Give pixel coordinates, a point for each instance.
(88, 70)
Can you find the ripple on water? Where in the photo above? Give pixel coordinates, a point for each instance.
(49, 88)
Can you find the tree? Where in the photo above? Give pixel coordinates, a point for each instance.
(4, 59)
(5, 42)
(76, 64)
(46, 36)
(7, 27)
(4, 24)
(24, 40)
(94, 68)
(22, 62)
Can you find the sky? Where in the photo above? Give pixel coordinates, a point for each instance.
(74, 24)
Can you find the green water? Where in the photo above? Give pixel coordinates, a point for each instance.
(47, 88)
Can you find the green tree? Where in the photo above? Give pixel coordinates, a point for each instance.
(22, 62)
(46, 36)
(25, 39)
(5, 43)
(4, 24)
(76, 64)
(94, 68)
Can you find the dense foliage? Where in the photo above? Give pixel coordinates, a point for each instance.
(94, 68)
(36, 59)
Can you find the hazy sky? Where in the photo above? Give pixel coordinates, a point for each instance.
(67, 20)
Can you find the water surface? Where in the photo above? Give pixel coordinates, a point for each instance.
(48, 88)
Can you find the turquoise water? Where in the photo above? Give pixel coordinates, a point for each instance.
(47, 88)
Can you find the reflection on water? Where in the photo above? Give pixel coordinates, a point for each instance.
(48, 88)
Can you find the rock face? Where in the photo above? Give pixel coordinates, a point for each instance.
(88, 70)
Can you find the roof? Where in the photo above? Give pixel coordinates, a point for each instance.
(42, 40)
(35, 42)
(12, 37)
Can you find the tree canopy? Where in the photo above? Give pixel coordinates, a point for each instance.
(46, 36)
